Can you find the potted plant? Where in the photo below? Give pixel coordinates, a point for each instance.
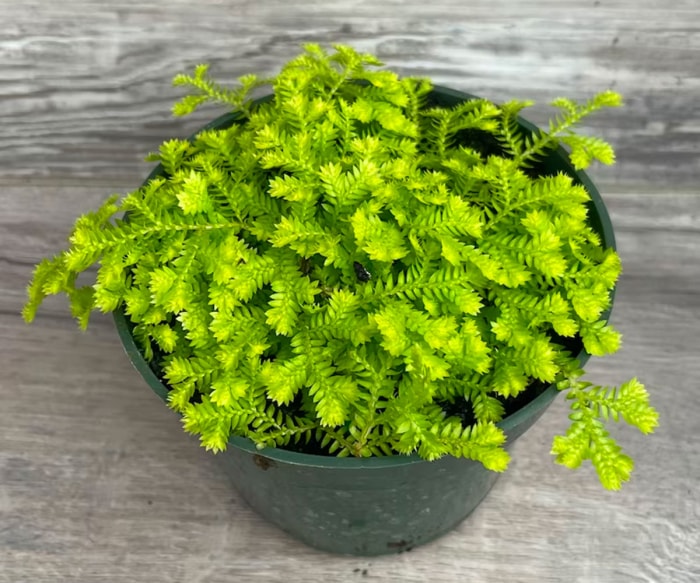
(363, 287)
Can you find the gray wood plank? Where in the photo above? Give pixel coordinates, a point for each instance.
(85, 86)
(98, 483)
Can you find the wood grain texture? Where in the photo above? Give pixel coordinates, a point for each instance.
(85, 86)
(98, 483)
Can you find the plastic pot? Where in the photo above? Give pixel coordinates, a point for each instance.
(377, 505)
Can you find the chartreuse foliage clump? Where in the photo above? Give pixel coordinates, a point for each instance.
(350, 265)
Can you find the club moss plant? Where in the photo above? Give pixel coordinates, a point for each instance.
(350, 267)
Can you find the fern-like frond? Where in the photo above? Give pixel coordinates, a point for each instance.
(587, 438)
(209, 90)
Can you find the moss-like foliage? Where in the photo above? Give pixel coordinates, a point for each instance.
(347, 265)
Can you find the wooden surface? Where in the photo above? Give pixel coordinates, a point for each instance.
(97, 481)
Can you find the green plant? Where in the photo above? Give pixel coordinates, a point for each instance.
(351, 266)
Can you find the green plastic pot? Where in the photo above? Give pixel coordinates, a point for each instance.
(379, 505)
